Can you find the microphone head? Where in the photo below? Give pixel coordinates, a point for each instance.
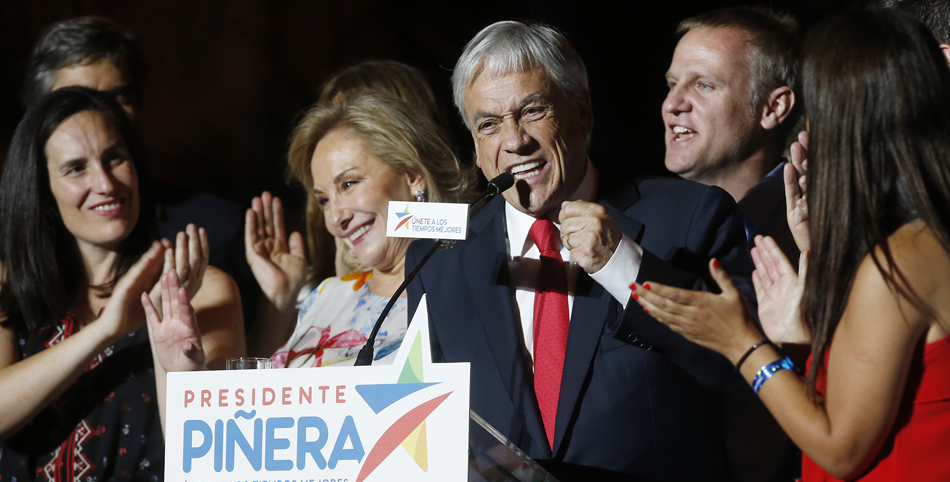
(502, 182)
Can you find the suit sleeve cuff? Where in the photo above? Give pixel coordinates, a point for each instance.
(621, 270)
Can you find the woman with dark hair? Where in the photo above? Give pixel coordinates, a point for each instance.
(78, 391)
(876, 402)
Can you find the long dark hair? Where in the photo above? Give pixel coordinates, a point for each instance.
(877, 95)
(43, 269)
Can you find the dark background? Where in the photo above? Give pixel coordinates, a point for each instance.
(227, 79)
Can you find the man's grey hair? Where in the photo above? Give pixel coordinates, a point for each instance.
(508, 47)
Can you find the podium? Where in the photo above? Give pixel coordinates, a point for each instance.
(493, 458)
(406, 421)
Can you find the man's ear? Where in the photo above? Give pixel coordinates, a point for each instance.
(945, 50)
(780, 103)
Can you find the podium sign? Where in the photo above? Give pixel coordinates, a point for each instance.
(407, 421)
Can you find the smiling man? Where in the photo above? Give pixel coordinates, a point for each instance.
(731, 107)
(537, 298)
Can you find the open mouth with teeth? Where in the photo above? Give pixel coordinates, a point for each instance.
(527, 170)
(109, 209)
(356, 236)
(681, 133)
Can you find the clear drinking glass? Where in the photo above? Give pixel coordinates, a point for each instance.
(248, 363)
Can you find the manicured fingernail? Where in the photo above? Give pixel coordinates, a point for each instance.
(646, 310)
(715, 263)
(636, 297)
(633, 286)
(646, 285)
(808, 254)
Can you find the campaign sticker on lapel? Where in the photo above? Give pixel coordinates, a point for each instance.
(427, 220)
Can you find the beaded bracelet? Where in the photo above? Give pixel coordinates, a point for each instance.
(748, 352)
(767, 371)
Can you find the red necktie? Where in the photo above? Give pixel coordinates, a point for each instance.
(551, 322)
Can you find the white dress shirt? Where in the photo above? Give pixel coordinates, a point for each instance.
(615, 276)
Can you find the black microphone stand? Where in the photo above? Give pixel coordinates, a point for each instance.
(495, 187)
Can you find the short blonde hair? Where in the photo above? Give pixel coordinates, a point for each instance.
(399, 135)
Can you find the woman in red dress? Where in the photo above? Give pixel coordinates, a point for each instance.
(875, 301)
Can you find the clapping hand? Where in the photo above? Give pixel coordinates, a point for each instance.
(795, 191)
(779, 291)
(279, 263)
(176, 338)
(188, 257)
(118, 314)
(718, 322)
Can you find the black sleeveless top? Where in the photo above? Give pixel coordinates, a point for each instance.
(105, 426)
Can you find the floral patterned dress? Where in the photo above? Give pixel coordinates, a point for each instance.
(336, 319)
(105, 427)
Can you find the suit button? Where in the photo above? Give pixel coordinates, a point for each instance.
(634, 339)
(645, 345)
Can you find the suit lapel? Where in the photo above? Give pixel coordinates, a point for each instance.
(591, 302)
(590, 311)
(484, 262)
(484, 265)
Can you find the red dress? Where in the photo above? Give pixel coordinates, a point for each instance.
(918, 447)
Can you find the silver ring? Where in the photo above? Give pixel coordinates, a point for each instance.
(567, 241)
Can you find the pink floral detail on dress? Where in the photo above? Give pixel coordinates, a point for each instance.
(280, 359)
(347, 339)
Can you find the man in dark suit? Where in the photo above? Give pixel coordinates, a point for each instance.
(730, 108)
(564, 362)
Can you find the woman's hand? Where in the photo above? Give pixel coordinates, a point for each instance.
(796, 207)
(779, 291)
(279, 264)
(188, 257)
(121, 315)
(176, 338)
(718, 322)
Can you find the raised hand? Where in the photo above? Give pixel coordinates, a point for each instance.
(718, 322)
(279, 263)
(176, 338)
(589, 233)
(779, 291)
(796, 207)
(188, 257)
(121, 315)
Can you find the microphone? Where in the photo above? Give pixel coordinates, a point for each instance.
(495, 187)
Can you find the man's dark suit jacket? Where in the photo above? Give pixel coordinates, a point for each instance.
(635, 397)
